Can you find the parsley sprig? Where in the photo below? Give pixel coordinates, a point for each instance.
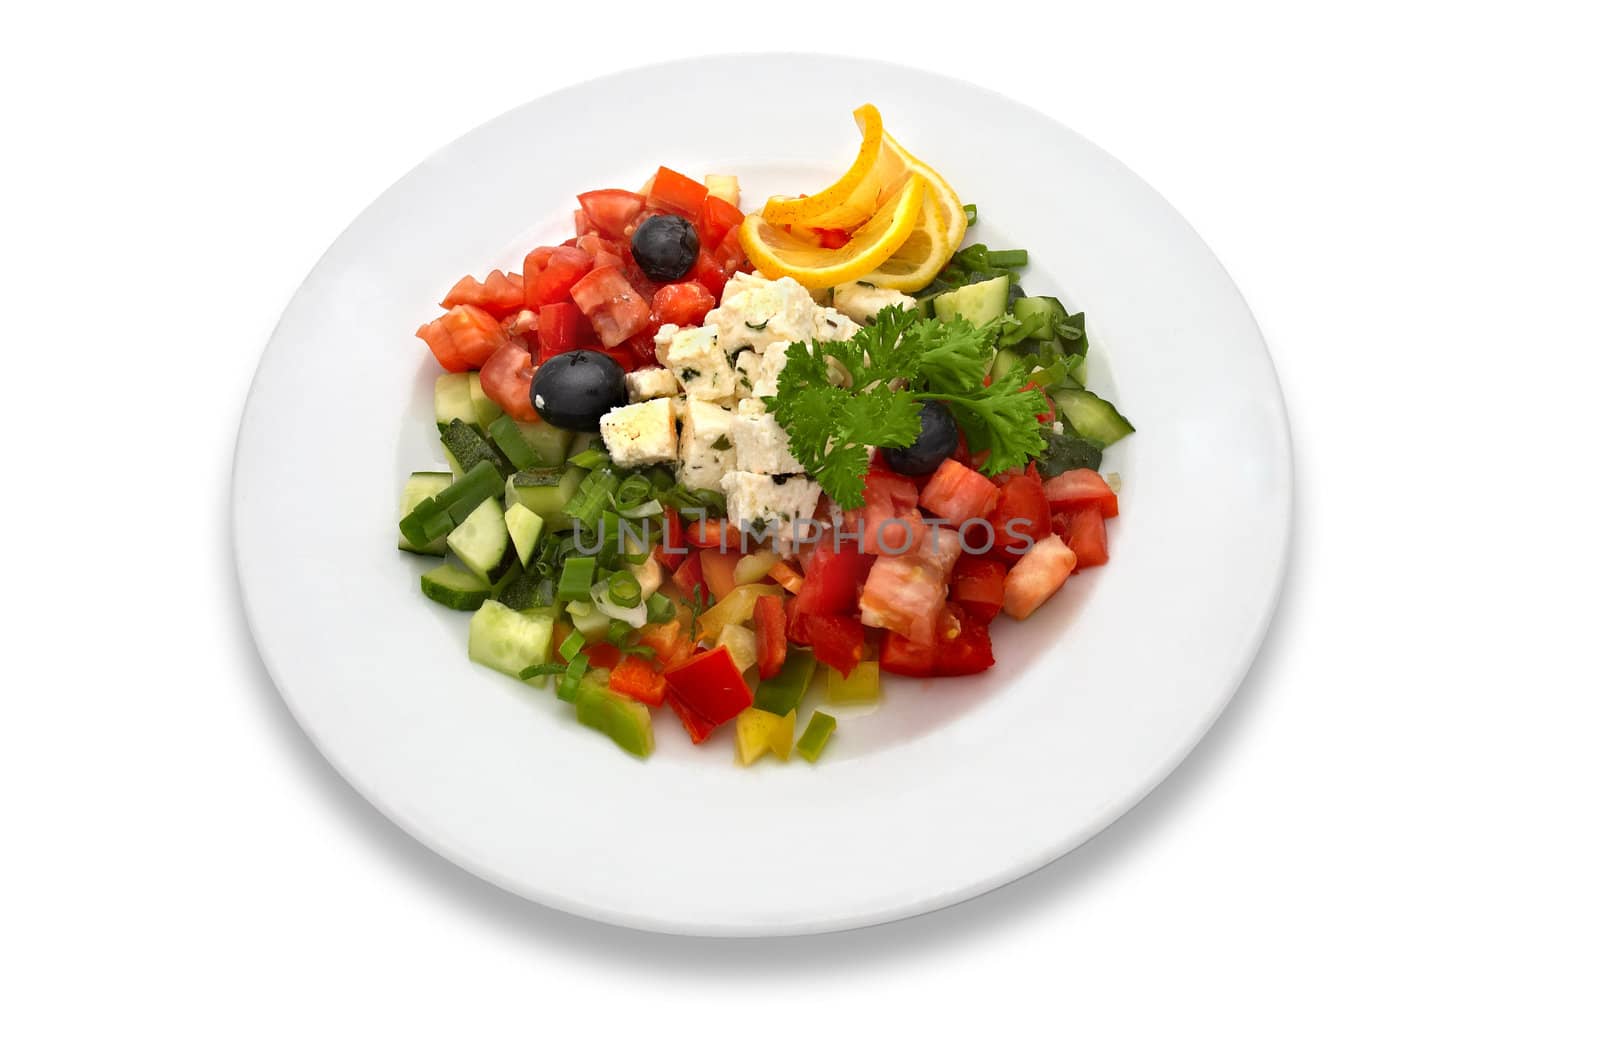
(892, 366)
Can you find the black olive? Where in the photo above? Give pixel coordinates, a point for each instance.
(666, 247)
(574, 390)
(937, 441)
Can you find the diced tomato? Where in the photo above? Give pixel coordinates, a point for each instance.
(561, 328)
(1021, 516)
(690, 577)
(717, 218)
(978, 585)
(507, 379)
(671, 552)
(602, 654)
(611, 210)
(837, 641)
(711, 533)
(786, 577)
(959, 494)
(611, 304)
(965, 648)
(534, 261)
(1050, 407)
(553, 283)
(904, 594)
(708, 274)
(498, 293)
(1037, 576)
(888, 518)
(1078, 487)
(729, 255)
(582, 224)
(643, 344)
(772, 643)
(462, 338)
(832, 580)
(830, 239)
(717, 566)
(632, 676)
(684, 305)
(1084, 531)
(709, 687)
(602, 250)
(623, 356)
(902, 656)
(671, 190)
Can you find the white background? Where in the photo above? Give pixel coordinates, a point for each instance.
(1386, 848)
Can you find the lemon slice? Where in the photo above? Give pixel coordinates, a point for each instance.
(872, 180)
(951, 213)
(917, 261)
(779, 254)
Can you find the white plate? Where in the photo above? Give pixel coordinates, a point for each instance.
(952, 786)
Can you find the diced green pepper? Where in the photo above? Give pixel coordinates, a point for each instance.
(622, 719)
(577, 575)
(783, 692)
(818, 731)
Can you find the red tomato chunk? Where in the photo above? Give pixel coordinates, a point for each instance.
(1037, 576)
(614, 309)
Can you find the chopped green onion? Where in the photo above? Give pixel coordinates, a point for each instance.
(660, 608)
(644, 509)
(567, 688)
(577, 575)
(593, 496)
(571, 646)
(1008, 259)
(633, 490)
(783, 692)
(617, 632)
(590, 459)
(541, 669)
(623, 589)
(818, 731)
(639, 650)
(971, 211)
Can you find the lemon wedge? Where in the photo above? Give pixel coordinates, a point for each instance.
(952, 215)
(777, 253)
(916, 262)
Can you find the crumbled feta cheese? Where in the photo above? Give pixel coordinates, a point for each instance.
(664, 336)
(831, 324)
(861, 301)
(1058, 427)
(643, 433)
(757, 374)
(740, 282)
(762, 312)
(759, 443)
(705, 451)
(767, 508)
(645, 384)
(700, 366)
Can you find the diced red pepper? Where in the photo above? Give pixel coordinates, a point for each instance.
(633, 676)
(689, 576)
(697, 728)
(772, 643)
(602, 654)
(709, 687)
(902, 656)
(786, 577)
(667, 640)
(796, 626)
(717, 566)
(978, 585)
(832, 580)
(837, 641)
(710, 533)
(1078, 487)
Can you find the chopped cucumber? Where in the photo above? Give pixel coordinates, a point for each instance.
(979, 303)
(440, 514)
(1004, 362)
(481, 539)
(550, 443)
(452, 398)
(1092, 416)
(524, 526)
(510, 641)
(546, 491)
(463, 443)
(484, 410)
(584, 440)
(454, 588)
(504, 434)
(421, 485)
(1067, 451)
(622, 719)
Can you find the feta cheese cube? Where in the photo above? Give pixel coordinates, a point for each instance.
(861, 301)
(762, 312)
(766, 508)
(739, 282)
(705, 450)
(723, 186)
(831, 324)
(664, 336)
(645, 384)
(643, 433)
(759, 443)
(699, 364)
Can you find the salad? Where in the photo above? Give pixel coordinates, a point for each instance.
(706, 461)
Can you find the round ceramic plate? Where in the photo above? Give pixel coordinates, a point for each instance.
(946, 789)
